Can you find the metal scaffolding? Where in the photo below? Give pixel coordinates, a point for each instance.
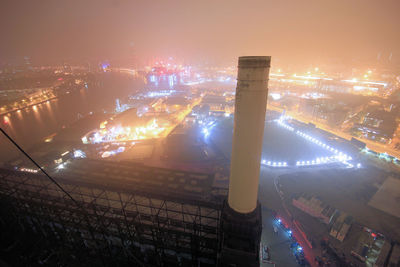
(145, 228)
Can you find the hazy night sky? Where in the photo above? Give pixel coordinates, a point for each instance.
(295, 31)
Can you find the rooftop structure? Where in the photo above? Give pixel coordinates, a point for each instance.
(315, 207)
(158, 215)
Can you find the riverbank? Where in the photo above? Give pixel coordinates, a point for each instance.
(27, 106)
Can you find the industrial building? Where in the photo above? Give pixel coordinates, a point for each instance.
(314, 207)
(122, 213)
(161, 216)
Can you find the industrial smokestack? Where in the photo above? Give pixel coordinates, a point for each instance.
(250, 107)
(241, 221)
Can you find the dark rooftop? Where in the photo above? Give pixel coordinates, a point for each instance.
(133, 177)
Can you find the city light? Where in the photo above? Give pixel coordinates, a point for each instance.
(206, 132)
(60, 166)
(275, 96)
(28, 170)
(189, 133)
(273, 163)
(281, 122)
(119, 133)
(79, 154)
(338, 157)
(6, 120)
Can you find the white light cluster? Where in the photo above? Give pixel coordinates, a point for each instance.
(284, 125)
(324, 160)
(207, 129)
(337, 157)
(206, 132)
(28, 170)
(60, 166)
(274, 164)
(79, 154)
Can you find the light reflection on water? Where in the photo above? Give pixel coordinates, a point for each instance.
(31, 125)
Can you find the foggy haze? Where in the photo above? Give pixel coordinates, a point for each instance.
(244, 133)
(199, 31)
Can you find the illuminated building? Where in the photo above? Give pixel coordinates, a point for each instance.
(215, 102)
(378, 125)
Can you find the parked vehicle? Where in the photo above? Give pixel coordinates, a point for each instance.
(265, 254)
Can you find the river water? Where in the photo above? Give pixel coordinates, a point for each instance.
(33, 124)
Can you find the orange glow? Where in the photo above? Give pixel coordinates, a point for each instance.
(6, 120)
(103, 124)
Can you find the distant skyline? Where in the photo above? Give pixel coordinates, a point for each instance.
(208, 31)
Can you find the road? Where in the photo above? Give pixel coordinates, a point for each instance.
(271, 197)
(278, 242)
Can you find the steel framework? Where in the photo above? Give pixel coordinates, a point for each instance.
(148, 229)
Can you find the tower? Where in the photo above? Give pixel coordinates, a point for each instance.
(241, 220)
